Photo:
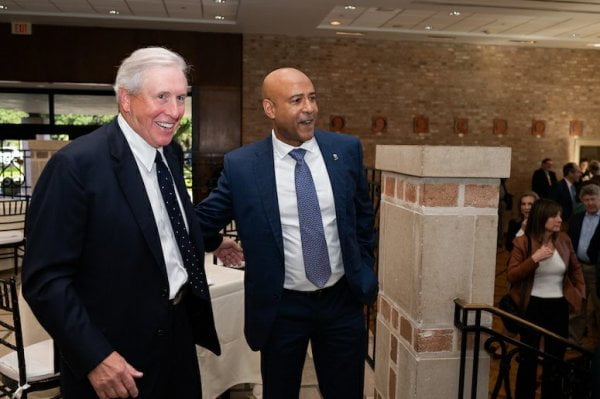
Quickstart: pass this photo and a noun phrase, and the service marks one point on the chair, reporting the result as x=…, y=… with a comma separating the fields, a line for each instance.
x=26, y=368
x=13, y=211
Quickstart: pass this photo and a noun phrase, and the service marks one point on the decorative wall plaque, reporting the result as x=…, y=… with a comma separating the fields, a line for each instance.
x=461, y=126
x=500, y=127
x=538, y=127
x=420, y=124
x=378, y=125
x=576, y=128
x=337, y=123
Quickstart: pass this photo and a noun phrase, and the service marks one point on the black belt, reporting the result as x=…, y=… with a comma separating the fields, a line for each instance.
x=316, y=293
x=179, y=296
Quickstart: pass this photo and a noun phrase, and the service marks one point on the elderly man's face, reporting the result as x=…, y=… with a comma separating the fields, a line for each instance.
x=156, y=110
x=547, y=165
x=591, y=203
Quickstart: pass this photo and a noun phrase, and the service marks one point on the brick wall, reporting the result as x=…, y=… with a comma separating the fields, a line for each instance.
x=363, y=78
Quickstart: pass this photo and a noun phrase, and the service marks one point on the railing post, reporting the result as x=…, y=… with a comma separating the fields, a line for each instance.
x=438, y=230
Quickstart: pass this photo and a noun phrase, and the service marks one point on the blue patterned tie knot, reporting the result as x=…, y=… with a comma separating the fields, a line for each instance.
x=314, y=245
x=188, y=251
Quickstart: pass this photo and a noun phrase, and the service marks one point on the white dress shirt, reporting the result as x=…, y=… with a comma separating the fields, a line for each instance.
x=145, y=156
x=295, y=276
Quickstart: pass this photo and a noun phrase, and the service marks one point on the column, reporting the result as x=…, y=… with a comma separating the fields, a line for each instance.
x=438, y=227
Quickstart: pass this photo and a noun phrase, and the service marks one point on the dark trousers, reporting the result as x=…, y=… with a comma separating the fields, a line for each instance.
x=171, y=366
x=551, y=314
x=334, y=324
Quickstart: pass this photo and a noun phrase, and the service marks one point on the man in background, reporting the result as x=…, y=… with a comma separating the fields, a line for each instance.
x=565, y=191
x=543, y=179
x=301, y=205
x=114, y=265
x=584, y=231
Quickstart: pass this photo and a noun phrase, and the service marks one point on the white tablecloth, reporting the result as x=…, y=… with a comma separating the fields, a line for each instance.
x=237, y=363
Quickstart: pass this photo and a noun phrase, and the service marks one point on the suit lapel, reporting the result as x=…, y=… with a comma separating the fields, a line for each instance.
x=334, y=162
x=264, y=174
x=134, y=191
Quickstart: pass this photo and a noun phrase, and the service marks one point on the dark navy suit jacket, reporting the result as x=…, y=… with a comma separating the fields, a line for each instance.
x=94, y=273
x=246, y=192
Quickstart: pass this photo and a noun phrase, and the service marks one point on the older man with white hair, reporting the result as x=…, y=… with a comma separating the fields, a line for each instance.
x=114, y=265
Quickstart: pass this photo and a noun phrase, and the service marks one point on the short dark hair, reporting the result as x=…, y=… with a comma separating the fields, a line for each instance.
x=542, y=210
x=568, y=168
x=546, y=160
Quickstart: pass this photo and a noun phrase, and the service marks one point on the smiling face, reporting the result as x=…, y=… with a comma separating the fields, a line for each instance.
x=156, y=110
x=290, y=102
x=526, y=204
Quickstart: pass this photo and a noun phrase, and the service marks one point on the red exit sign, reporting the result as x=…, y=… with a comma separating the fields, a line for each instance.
x=21, y=28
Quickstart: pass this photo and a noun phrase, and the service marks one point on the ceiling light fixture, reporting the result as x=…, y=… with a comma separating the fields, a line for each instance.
x=574, y=35
x=455, y=13
x=220, y=1
x=3, y=7
x=428, y=27
x=349, y=7
x=219, y=17
x=593, y=44
x=349, y=33
x=114, y=12
x=335, y=23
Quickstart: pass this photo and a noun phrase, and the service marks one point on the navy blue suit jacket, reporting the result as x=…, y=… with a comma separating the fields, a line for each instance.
x=561, y=194
x=94, y=273
x=246, y=192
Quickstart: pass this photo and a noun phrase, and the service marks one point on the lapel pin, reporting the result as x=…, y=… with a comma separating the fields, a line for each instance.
x=335, y=157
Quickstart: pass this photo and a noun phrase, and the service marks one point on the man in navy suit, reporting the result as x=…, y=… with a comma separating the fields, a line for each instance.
x=285, y=308
x=543, y=179
x=565, y=191
x=103, y=270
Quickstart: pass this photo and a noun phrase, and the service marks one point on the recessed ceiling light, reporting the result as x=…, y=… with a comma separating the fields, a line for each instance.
x=349, y=33
x=428, y=27
x=455, y=13
x=574, y=35
x=349, y=7
x=114, y=12
x=335, y=23
x=3, y=7
x=594, y=45
x=220, y=1
x=219, y=17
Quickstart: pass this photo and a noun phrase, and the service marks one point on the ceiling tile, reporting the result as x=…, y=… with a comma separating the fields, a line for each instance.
x=375, y=17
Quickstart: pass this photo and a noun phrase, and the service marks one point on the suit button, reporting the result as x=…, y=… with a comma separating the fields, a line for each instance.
x=165, y=293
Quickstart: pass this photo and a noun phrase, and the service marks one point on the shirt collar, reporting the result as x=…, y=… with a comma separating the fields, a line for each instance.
x=143, y=151
x=592, y=214
x=282, y=149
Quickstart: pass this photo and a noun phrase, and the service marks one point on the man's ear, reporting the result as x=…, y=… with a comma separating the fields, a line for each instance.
x=124, y=100
x=269, y=108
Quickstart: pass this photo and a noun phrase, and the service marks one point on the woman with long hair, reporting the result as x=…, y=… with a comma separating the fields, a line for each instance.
x=516, y=227
x=543, y=265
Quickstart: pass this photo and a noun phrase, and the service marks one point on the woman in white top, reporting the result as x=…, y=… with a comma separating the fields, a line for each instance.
x=544, y=267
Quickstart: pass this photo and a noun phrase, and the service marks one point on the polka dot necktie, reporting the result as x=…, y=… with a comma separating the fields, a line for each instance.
x=196, y=278
x=314, y=246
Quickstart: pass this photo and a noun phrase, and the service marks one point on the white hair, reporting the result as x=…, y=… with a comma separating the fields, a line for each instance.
x=132, y=68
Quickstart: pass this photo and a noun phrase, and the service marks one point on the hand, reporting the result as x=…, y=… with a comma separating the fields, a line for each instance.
x=524, y=224
x=230, y=253
x=544, y=252
x=114, y=378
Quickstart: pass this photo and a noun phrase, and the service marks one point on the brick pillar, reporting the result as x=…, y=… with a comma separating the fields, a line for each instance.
x=437, y=242
x=38, y=153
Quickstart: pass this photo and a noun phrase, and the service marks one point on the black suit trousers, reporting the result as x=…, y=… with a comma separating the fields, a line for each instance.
x=171, y=370
x=334, y=324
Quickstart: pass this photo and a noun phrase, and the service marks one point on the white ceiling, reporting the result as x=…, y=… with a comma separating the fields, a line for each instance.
x=542, y=23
